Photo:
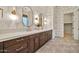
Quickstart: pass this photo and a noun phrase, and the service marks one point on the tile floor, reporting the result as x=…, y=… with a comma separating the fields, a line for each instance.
x=60, y=45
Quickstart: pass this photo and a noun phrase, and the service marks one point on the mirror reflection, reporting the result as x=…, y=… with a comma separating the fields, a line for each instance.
x=27, y=16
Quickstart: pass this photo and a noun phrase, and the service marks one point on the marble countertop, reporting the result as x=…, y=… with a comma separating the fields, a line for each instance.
x=9, y=36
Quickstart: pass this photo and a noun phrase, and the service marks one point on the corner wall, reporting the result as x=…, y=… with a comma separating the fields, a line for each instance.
x=59, y=20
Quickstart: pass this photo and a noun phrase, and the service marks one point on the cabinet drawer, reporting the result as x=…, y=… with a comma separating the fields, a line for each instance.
x=50, y=34
x=15, y=48
x=42, y=39
x=1, y=47
x=42, y=42
x=12, y=42
x=36, y=43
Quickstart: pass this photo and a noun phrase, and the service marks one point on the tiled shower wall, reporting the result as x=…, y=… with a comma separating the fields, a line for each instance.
x=58, y=22
x=9, y=26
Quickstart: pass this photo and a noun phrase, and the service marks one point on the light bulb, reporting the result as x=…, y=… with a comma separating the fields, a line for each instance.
x=45, y=23
x=45, y=19
x=13, y=17
x=36, y=22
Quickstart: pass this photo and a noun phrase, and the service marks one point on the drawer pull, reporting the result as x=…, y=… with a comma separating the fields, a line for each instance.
x=19, y=48
x=5, y=50
x=19, y=40
x=1, y=50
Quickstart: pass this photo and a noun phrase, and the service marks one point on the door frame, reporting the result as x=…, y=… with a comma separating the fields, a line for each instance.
x=72, y=23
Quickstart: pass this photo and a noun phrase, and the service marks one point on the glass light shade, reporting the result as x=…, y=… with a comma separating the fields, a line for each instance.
x=13, y=17
x=45, y=21
x=36, y=22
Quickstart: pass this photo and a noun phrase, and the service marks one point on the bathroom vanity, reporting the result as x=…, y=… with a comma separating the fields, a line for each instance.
x=24, y=42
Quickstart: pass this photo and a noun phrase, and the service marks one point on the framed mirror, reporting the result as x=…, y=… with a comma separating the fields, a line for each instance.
x=27, y=16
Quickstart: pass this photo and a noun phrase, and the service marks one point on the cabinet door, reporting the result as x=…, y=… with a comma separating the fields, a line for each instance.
x=25, y=50
x=36, y=42
x=1, y=47
x=50, y=34
x=42, y=38
x=46, y=36
x=31, y=43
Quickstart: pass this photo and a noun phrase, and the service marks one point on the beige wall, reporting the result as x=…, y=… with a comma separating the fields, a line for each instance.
x=7, y=25
x=47, y=11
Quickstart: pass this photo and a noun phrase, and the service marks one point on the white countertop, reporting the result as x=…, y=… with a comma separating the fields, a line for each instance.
x=9, y=36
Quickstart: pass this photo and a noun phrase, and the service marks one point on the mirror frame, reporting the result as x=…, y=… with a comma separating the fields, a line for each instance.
x=32, y=15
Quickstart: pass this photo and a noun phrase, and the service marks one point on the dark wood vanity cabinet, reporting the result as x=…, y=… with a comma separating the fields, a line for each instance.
x=1, y=47
x=45, y=36
x=48, y=35
x=26, y=44
x=31, y=44
x=15, y=45
x=37, y=41
x=42, y=38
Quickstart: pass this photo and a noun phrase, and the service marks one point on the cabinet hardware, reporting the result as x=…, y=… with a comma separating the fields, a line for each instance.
x=19, y=48
x=5, y=50
x=1, y=50
x=19, y=40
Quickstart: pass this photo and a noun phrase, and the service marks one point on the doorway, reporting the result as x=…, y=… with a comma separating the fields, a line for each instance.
x=68, y=25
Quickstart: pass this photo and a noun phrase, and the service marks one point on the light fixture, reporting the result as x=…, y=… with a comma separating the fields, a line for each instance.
x=36, y=21
x=1, y=12
x=13, y=11
x=45, y=21
x=13, y=15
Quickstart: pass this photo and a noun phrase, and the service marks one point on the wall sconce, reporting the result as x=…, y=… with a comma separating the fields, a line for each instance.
x=36, y=21
x=1, y=13
x=14, y=11
x=13, y=15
